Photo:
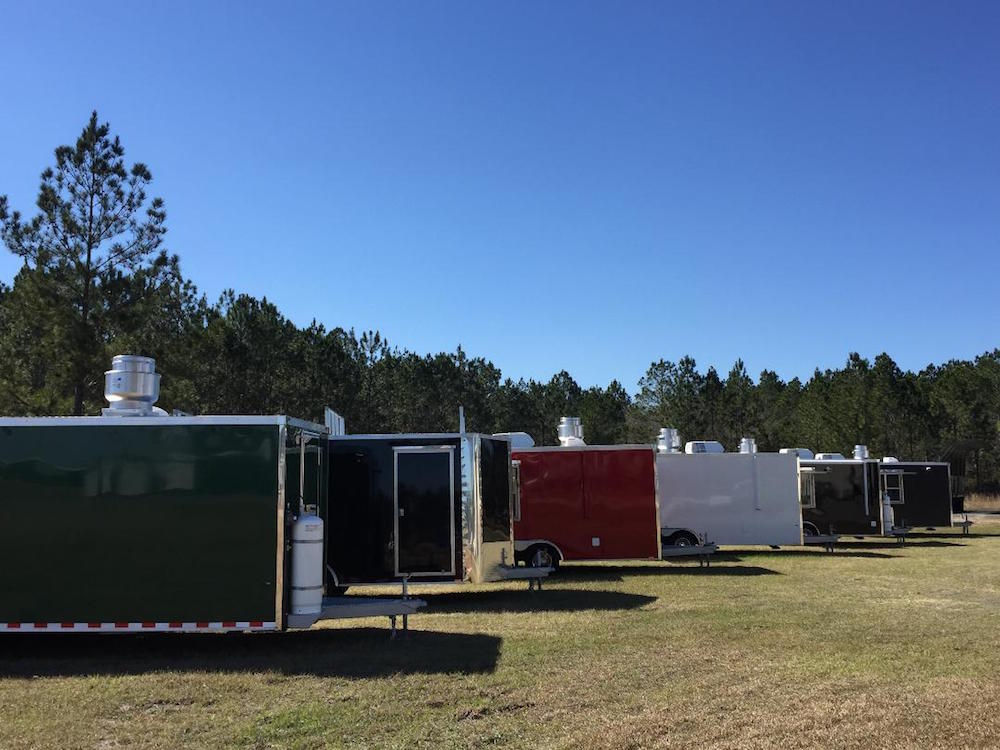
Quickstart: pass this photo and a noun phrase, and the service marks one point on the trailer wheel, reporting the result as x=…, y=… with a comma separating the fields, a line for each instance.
x=543, y=556
x=809, y=529
x=336, y=590
x=682, y=539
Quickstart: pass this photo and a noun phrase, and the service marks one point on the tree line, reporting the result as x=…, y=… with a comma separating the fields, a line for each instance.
x=96, y=280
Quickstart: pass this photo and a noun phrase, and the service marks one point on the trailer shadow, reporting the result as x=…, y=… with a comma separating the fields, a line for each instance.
x=547, y=600
x=738, y=556
x=613, y=573
x=950, y=535
x=891, y=544
x=354, y=653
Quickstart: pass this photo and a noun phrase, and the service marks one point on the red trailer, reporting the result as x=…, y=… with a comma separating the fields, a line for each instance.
x=586, y=503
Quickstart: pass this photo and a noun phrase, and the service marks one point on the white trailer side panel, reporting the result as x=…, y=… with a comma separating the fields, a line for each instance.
x=732, y=498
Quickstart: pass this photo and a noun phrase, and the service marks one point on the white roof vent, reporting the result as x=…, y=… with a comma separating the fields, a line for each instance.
x=517, y=439
x=570, y=431
x=668, y=441
x=704, y=446
x=804, y=453
x=132, y=386
x=890, y=460
x=829, y=456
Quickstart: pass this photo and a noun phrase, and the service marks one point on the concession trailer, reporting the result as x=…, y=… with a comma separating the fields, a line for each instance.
x=840, y=495
x=710, y=496
x=421, y=507
x=139, y=521
x=919, y=492
x=584, y=502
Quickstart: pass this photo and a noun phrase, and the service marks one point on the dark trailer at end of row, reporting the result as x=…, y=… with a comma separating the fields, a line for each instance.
x=420, y=507
x=919, y=493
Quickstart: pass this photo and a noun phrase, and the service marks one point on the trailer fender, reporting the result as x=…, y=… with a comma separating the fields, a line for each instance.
x=524, y=550
x=679, y=538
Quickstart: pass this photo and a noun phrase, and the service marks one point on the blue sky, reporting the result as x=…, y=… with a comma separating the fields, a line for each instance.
x=588, y=186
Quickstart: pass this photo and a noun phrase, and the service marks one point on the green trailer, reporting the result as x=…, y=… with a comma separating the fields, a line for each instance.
x=157, y=523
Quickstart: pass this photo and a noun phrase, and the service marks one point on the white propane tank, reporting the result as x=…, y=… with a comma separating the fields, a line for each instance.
x=888, y=521
x=307, y=565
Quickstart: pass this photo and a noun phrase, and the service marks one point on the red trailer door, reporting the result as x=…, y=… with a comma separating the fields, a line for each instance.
x=620, y=503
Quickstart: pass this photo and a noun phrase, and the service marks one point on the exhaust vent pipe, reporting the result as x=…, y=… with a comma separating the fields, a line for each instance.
x=748, y=445
x=132, y=386
x=570, y=431
x=669, y=441
x=861, y=451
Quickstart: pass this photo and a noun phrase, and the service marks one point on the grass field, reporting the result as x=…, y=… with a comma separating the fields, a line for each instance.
x=872, y=646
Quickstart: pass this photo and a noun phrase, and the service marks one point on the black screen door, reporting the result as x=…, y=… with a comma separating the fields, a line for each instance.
x=425, y=510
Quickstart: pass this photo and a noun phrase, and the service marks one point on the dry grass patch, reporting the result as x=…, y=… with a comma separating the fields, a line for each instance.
x=875, y=645
x=980, y=502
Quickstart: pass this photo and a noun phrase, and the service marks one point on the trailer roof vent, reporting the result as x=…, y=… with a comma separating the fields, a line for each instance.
x=890, y=460
x=668, y=441
x=517, y=439
x=570, y=431
x=800, y=452
x=829, y=456
x=860, y=452
x=748, y=445
x=704, y=446
x=132, y=386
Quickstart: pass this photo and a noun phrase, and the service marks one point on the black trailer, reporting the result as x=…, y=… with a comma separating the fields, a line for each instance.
x=840, y=496
x=420, y=507
x=919, y=493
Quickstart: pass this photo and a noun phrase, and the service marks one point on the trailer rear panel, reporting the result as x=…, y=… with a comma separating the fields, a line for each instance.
x=107, y=521
x=591, y=502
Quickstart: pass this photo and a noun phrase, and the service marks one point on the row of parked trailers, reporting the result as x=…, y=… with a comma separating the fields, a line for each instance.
x=581, y=502
x=139, y=521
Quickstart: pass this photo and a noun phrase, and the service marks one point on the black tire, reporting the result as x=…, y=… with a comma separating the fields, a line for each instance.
x=336, y=590
x=543, y=556
x=809, y=529
x=682, y=539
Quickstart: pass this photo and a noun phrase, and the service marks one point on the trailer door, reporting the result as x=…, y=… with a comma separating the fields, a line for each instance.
x=424, y=502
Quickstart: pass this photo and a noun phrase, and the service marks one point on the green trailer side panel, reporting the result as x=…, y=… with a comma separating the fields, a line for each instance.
x=138, y=523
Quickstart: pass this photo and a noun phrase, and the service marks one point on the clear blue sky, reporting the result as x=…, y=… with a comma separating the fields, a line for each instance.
x=588, y=186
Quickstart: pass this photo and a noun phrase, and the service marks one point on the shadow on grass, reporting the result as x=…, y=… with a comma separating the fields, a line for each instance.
x=601, y=573
x=892, y=544
x=817, y=553
x=956, y=535
x=547, y=600
x=351, y=653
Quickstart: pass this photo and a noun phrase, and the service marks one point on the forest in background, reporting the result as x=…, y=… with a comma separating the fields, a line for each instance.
x=97, y=280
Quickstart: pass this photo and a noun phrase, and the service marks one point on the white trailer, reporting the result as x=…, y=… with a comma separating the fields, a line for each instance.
x=729, y=498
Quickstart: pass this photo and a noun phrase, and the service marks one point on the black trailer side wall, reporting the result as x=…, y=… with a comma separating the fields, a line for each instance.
x=847, y=499
x=360, y=513
x=926, y=494
x=138, y=523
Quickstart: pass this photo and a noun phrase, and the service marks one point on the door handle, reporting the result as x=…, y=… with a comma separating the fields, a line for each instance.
x=401, y=513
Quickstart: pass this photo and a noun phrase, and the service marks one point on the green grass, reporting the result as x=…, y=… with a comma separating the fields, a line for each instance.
x=872, y=646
